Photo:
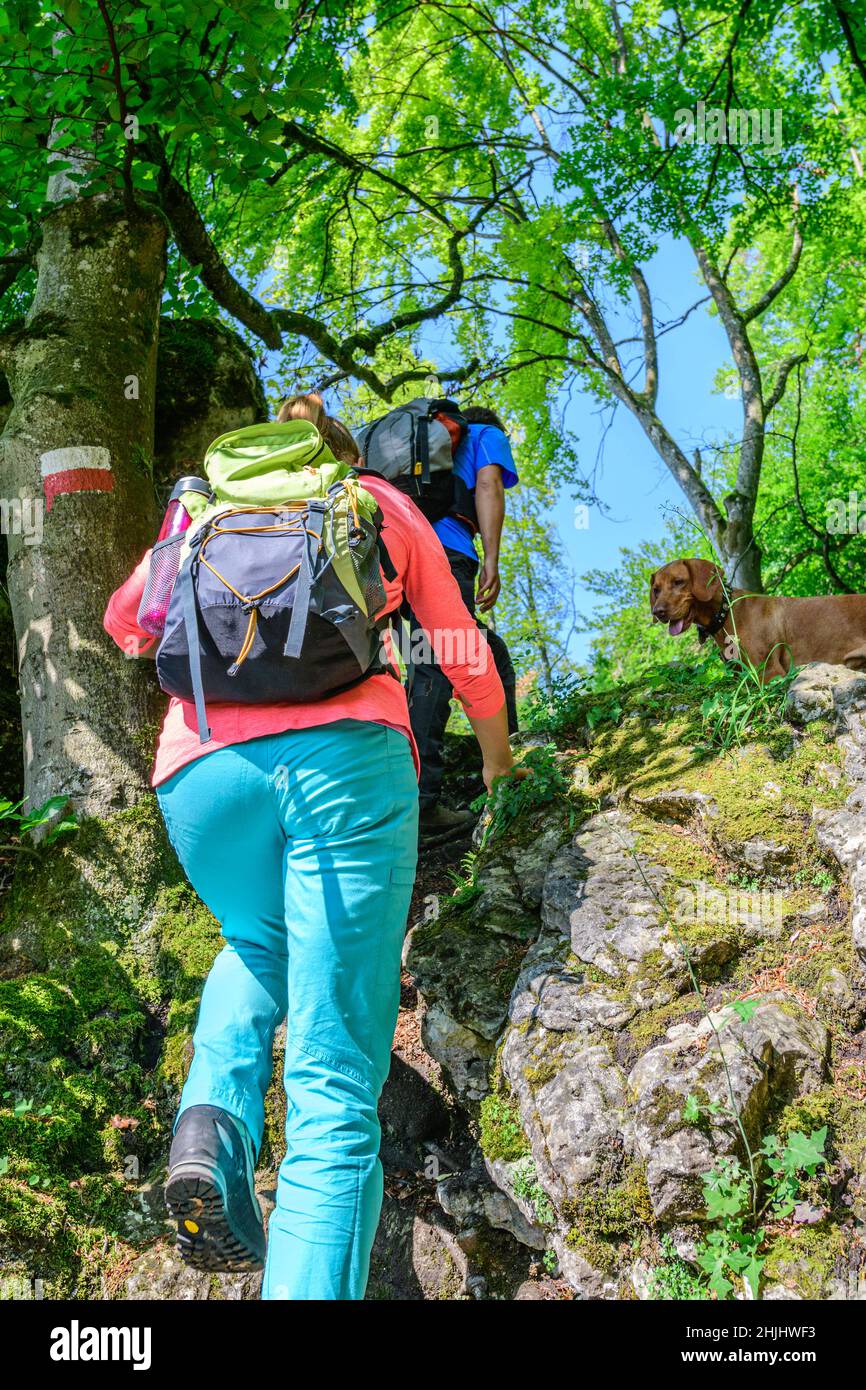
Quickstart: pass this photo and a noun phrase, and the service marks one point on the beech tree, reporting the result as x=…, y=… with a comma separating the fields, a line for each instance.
x=134, y=138
x=372, y=196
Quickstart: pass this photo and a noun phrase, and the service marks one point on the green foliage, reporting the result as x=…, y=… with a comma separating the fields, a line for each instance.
x=558, y=708
x=732, y=1250
x=787, y=1162
x=28, y=821
x=465, y=880
x=696, y=1111
x=526, y=1185
x=513, y=797
x=502, y=1133
x=672, y=1279
x=95, y=1024
x=745, y=708
x=537, y=607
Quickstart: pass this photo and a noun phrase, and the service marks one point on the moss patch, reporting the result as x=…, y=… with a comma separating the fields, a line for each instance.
x=609, y=1217
x=502, y=1134
x=104, y=948
x=805, y=1259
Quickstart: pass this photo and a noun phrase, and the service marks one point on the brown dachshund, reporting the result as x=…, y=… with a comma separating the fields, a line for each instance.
x=774, y=634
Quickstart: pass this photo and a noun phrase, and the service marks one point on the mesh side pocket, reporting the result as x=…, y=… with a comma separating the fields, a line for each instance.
x=164, y=566
x=374, y=590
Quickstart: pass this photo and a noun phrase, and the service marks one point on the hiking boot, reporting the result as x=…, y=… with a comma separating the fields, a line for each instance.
x=438, y=823
x=211, y=1192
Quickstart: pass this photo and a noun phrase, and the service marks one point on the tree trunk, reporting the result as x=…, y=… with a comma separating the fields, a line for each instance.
x=82, y=373
x=740, y=551
x=206, y=384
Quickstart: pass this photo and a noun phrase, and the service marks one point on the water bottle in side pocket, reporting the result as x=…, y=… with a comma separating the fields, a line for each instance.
x=165, y=556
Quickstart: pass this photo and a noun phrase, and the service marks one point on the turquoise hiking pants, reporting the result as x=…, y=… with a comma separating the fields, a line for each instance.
x=303, y=845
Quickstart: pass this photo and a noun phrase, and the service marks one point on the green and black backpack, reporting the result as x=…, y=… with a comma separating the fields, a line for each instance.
x=279, y=582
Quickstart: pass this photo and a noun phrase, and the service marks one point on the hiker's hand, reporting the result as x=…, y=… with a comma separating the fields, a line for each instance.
x=490, y=772
x=488, y=585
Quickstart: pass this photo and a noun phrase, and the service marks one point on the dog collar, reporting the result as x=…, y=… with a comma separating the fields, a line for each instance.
x=715, y=624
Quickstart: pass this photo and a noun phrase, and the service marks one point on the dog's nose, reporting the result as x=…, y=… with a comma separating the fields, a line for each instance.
x=661, y=614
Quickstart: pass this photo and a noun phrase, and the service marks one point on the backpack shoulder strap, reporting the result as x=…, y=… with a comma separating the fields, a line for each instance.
x=190, y=622
x=388, y=567
x=316, y=507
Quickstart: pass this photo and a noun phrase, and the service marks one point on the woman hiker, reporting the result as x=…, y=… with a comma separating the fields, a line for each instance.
x=297, y=825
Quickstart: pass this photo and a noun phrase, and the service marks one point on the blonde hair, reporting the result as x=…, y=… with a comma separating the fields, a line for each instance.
x=335, y=434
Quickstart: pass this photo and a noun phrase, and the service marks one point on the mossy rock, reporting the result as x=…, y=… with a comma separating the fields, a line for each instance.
x=104, y=948
x=807, y=1259
x=206, y=384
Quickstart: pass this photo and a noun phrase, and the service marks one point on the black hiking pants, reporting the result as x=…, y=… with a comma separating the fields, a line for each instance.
x=429, y=689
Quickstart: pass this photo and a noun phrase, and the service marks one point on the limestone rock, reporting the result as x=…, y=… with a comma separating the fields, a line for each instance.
x=778, y=1052
x=677, y=805
x=572, y=1101
x=469, y=963
x=836, y=992
x=415, y=1257
x=605, y=900
x=843, y=832
x=819, y=690
x=471, y=1199
x=160, y=1273
x=560, y=999
x=760, y=855
x=587, y=1280
x=463, y=1053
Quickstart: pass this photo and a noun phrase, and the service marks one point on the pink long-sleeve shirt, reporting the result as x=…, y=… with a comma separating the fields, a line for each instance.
x=423, y=575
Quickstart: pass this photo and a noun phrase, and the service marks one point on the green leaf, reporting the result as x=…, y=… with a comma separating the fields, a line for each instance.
x=805, y=1153
x=692, y=1110
x=51, y=807
x=752, y=1275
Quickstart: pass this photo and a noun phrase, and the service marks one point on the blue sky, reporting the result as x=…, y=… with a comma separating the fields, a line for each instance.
x=633, y=483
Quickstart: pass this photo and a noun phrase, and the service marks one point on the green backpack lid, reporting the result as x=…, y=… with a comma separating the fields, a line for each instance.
x=265, y=464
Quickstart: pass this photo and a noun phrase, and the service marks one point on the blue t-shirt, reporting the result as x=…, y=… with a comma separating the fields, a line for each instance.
x=481, y=445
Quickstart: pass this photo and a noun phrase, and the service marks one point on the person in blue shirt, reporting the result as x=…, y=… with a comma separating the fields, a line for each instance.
x=485, y=467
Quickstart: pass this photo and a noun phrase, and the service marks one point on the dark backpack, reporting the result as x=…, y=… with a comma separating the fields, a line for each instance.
x=413, y=446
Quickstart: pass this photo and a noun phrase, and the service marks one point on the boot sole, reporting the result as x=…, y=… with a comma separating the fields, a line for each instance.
x=195, y=1200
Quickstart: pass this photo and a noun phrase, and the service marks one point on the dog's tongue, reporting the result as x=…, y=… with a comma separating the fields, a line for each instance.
x=674, y=629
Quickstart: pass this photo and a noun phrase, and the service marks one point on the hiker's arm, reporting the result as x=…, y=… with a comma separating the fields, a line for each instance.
x=121, y=615
x=490, y=510
x=492, y=735
x=458, y=643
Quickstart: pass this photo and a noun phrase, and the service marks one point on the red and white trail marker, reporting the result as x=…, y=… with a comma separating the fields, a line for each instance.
x=81, y=468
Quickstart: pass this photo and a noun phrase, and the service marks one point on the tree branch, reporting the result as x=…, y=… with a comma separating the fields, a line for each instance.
x=778, y=285
x=196, y=245
x=785, y=369
x=847, y=30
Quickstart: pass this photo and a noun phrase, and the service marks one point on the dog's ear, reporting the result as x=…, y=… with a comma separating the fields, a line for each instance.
x=705, y=580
